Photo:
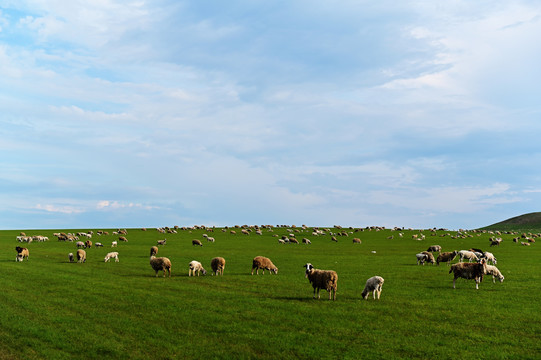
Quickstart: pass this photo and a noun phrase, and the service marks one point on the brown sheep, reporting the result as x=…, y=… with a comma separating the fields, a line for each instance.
x=469, y=271
x=123, y=238
x=356, y=240
x=322, y=279
x=261, y=262
x=197, y=242
x=446, y=257
x=218, y=265
x=81, y=256
x=434, y=248
x=153, y=251
x=88, y=244
x=22, y=253
x=160, y=263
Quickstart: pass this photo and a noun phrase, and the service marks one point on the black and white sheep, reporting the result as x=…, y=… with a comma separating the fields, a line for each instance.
x=261, y=262
x=196, y=267
x=217, y=265
x=322, y=279
x=374, y=285
x=159, y=264
x=469, y=271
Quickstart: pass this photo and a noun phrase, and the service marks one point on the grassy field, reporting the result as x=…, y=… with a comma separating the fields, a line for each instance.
x=53, y=309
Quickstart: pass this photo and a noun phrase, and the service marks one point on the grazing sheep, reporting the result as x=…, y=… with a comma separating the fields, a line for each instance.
x=495, y=241
x=160, y=263
x=374, y=284
x=490, y=257
x=81, y=256
x=524, y=243
x=153, y=251
x=196, y=242
x=88, y=244
x=356, y=240
x=161, y=242
x=114, y=244
x=446, y=257
x=306, y=241
x=293, y=240
x=465, y=254
x=261, y=262
x=218, y=265
x=196, y=267
x=434, y=248
x=123, y=238
x=22, y=253
x=111, y=255
x=493, y=270
x=70, y=257
x=210, y=239
x=281, y=241
x=80, y=244
x=430, y=257
x=333, y=238
x=322, y=279
x=469, y=271
x=421, y=258
x=98, y=244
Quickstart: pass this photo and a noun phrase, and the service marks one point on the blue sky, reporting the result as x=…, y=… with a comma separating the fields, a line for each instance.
x=358, y=113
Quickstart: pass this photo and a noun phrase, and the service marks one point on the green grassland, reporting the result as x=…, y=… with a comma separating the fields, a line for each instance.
x=53, y=309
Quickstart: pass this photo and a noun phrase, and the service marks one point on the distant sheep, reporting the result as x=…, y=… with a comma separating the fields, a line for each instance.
x=80, y=244
x=98, y=244
x=210, y=239
x=434, y=248
x=446, y=257
x=70, y=257
x=111, y=255
x=153, y=251
x=493, y=270
x=293, y=240
x=196, y=267
x=162, y=242
x=261, y=262
x=430, y=257
x=22, y=253
x=356, y=240
x=123, y=238
x=469, y=271
x=322, y=279
x=81, y=256
x=114, y=244
x=196, y=242
x=374, y=285
x=159, y=264
x=306, y=241
x=421, y=258
x=465, y=254
x=217, y=265
x=524, y=243
x=495, y=241
x=88, y=244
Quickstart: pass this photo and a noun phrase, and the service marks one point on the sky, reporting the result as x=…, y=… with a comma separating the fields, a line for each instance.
x=155, y=113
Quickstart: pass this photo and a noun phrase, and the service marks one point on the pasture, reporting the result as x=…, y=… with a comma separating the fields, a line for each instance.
x=54, y=309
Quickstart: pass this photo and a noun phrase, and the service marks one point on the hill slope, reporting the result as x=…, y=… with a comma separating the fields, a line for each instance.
x=531, y=221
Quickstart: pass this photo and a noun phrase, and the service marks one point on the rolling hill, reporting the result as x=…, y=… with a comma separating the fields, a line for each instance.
x=531, y=221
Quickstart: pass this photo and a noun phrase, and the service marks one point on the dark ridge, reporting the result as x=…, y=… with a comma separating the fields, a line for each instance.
x=531, y=221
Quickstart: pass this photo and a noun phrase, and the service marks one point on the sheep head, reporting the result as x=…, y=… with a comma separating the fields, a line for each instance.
x=309, y=268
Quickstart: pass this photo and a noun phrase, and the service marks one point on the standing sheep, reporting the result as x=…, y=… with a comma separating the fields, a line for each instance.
x=465, y=254
x=374, y=284
x=446, y=257
x=421, y=258
x=22, y=253
x=429, y=257
x=161, y=242
x=322, y=279
x=217, y=265
x=111, y=255
x=196, y=242
x=114, y=244
x=196, y=267
x=153, y=251
x=469, y=271
x=261, y=262
x=434, y=248
x=160, y=263
x=81, y=256
x=356, y=240
x=495, y=272
x=70, y=257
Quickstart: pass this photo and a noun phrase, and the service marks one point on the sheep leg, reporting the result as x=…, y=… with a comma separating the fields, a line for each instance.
x=454, y=283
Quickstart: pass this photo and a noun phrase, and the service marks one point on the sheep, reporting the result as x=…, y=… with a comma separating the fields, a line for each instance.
x=524, y=243
x=322, y=279
x=80, y=244
x=162, y=242
x=493, y=270
x=374, y=284
x=465, y=254
x=281, y=241
x=70, y=257
x=261, y=262
x=218, y=265
x=446, y=257
x=306, y=241
x=210, y=239
x=88, y=244
x=490, y=257
x=430, y=257
x=22, y=253
x=123, y=238
x=293, y=240
x=196, y=242
x=421, y=258
x=160, y=263
x=196, y=267
x=469, y=271
x=111, y=255
x=98, y=244
x=434, y=248
x=495, y=241
x=114, y=244
x=81, y=256
x=356, y=240
x=153, y=251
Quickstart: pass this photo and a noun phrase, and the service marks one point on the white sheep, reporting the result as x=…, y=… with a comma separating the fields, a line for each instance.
x=493, y=270
x=114, y=244
x=218, y=265
x=465, y=254
x=160, y=263
x=196, y=267
x=111, y=255
x=322, y=279
x=70, y=257
x=490, y=257
x=421, y=258
x=374, y=284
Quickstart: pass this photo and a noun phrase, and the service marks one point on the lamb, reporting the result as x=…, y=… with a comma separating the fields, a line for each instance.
x=469, y=271
x=162, y=242
x=196, y=242
x=160, y=263
x=322, y=279
x=196, y=267
x=261, y=262
x=111, y=255
x=446, y=257
x=153, y=251
x=114, y=244
x=218, y=265
x=22, y=253
x=465, y=254
x=374, y=284
x=70, y=257
x=434, y=248
x=493, y=270
x=81, y=256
